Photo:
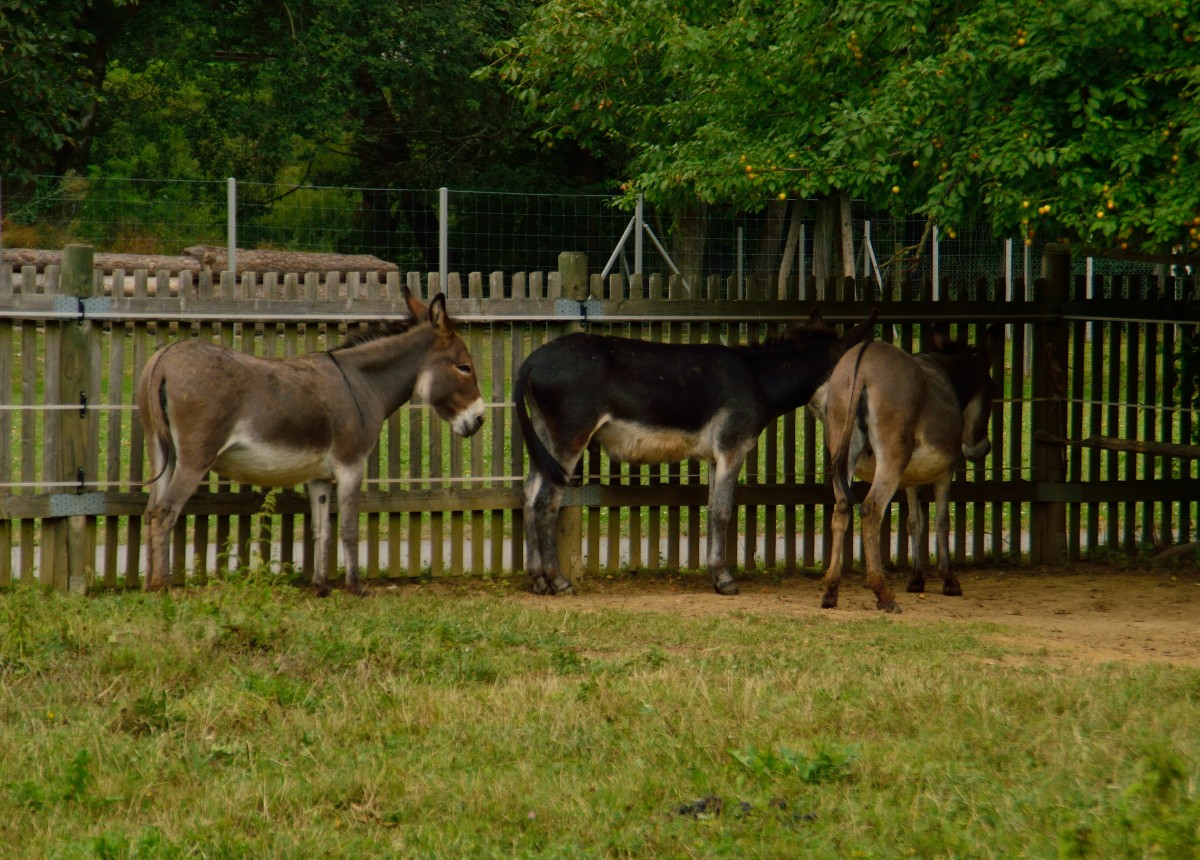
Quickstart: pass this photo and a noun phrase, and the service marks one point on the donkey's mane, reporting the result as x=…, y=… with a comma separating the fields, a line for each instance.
x=795, y=336
x=376, y=331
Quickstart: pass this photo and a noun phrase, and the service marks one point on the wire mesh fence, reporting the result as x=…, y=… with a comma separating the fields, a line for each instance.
x=492, y=231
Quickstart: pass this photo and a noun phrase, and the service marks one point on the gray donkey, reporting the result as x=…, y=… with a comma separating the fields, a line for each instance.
x=279, y=422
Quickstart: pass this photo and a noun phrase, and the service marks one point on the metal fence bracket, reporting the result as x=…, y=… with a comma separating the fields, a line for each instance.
x=584, y=310
x=77, y=505
x=82, y=308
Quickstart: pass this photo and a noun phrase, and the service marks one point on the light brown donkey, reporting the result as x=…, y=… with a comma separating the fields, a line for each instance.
x=900, y=420
x=279, y=422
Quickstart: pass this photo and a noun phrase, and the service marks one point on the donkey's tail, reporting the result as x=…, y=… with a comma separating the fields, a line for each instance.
x=156, y=426
x=839, y=456
x=543, y=461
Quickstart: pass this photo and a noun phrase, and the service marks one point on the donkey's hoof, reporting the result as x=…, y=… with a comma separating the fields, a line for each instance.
x=322, y=590
x=951, y=588
x=829, y=600
x=888, y=605
x=562, y=585
x=916, y=584
x=538, y=584
x=727, y=585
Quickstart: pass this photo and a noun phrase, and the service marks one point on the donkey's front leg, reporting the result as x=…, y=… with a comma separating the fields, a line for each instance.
x=319, y=492
x=917, y=515
x=883, y=487
x=720, y=512
x=941, y=506
x=349, y=483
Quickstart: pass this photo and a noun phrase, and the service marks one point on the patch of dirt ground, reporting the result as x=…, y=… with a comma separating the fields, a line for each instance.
x=1080, y=613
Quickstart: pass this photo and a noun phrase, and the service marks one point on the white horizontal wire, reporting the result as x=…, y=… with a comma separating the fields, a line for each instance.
x=443, y=482
x=114, y=407
x=507, y=404
x=434, y=482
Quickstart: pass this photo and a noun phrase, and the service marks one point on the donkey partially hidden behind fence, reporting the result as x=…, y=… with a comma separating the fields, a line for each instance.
x=899, y=420
x=279, y=422
x=647, y=402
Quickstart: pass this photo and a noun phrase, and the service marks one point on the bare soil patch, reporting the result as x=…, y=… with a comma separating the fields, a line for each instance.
x=1083, y=613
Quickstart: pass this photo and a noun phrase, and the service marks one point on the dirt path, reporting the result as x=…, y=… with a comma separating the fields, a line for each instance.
x=1083, y=614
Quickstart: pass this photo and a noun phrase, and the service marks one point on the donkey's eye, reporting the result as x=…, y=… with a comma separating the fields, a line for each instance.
x=464, y=368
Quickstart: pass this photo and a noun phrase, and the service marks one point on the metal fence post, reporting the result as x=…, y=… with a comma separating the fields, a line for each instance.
x=443, y=235
x=937, y=275
x=639, y=217
x=231, y=223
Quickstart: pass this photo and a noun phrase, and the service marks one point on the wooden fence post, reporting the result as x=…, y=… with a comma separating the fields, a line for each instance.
x=66, y=537
x=1048, y=515
x=573, y=282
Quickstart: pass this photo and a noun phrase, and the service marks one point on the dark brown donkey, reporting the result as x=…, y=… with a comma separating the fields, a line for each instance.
x=647, y=402
x=900, y=420
x=279, y=422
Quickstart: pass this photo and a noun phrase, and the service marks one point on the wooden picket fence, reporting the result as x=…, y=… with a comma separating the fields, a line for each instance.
x=72, y=343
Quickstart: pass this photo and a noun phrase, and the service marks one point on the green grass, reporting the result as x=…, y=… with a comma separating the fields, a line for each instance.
x=248, y=720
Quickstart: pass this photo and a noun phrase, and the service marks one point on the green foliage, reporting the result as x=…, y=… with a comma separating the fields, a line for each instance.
x=312, y=96
x=1156, y=815
x=1160, y=810
x=826, y=765
x=47, y=85
x=73, y=785
x=1074, y=119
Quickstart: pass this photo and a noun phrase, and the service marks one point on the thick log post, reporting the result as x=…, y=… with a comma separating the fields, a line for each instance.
x=574, y=284
x=67, y=538
x=1048, y=519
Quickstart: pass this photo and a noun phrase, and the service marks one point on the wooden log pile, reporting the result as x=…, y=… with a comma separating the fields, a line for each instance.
x=200, y=258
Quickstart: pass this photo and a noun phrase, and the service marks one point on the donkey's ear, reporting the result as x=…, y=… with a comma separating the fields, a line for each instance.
x=438, y=317
x=416, y=307
x=993, y=341
x=939, y=336
x=814, y=318
x=864, y=330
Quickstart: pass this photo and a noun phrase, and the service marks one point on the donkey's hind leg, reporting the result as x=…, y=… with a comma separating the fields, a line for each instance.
x=543, y=499
x=843, y=515
x=843, y=519
x=883, y=487
x=168, y=495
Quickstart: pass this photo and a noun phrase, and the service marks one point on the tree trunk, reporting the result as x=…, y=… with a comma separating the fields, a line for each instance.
x=765, y=263
x=824, y=248
x=791, y=248
x=691, y=237
x=846, y=226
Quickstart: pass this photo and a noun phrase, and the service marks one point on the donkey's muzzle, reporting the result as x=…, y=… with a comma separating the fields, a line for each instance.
x=977, y=452
x=468, y=422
